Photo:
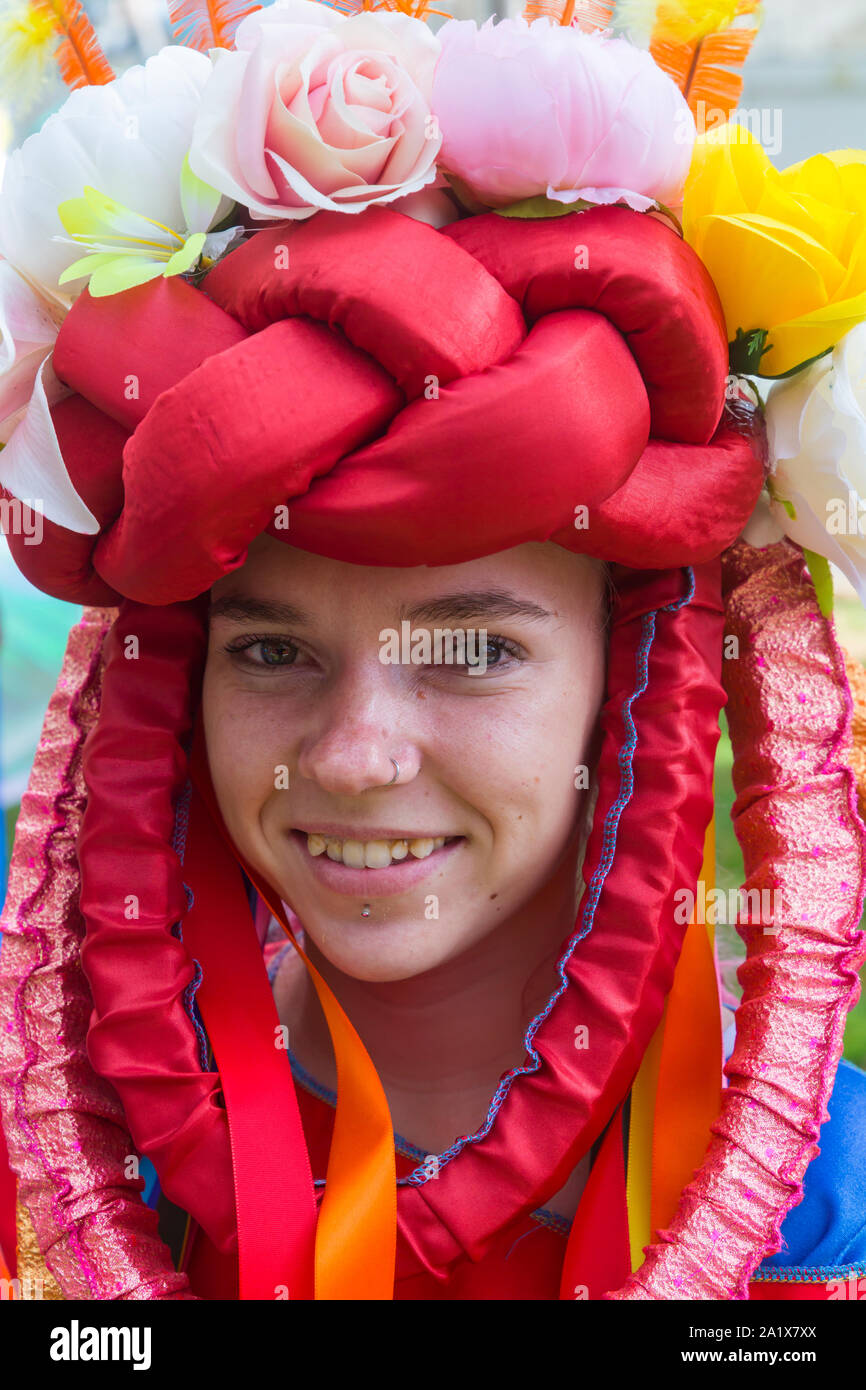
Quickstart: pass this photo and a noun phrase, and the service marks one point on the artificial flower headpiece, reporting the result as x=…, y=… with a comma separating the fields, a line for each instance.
x=259, y=116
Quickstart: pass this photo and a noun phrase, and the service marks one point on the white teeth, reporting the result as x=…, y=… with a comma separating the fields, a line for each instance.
x=421, y=848
x=377, y=854
x=372, y=854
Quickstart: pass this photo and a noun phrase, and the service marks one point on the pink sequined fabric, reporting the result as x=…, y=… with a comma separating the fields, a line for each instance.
x=789, y=713
x=65, y=1128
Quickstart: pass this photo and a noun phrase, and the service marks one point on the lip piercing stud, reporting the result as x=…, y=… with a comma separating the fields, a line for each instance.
x=365, y=910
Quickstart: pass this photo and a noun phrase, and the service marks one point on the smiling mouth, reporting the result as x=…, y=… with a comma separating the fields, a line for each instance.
x=374, y=854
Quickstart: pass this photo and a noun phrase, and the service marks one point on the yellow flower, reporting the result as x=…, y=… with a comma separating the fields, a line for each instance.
x=678, y=21
x=28, y=37
x=786, y=249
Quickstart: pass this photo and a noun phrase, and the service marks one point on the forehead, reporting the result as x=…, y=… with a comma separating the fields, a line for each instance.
x=543, y=572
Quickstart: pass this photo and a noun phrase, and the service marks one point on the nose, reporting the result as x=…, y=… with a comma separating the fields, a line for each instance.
x=359, y=729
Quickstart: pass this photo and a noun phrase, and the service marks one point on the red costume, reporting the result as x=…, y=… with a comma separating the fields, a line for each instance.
x=302, y=386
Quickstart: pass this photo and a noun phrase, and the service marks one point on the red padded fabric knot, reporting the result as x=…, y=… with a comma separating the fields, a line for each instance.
x=412, y=395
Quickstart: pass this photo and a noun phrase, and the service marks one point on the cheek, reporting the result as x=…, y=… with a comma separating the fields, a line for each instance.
x=246, y=746
x=519, y=768
x=543, y=759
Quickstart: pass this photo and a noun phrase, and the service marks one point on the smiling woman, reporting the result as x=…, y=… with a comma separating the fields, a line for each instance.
x=412, y=603
x=487, y=760
x=466, y=860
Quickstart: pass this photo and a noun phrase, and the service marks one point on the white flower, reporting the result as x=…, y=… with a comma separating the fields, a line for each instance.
x=28, y=329
x=127, y=140
x=31, y=465
x=816, y=425
x=125, y=248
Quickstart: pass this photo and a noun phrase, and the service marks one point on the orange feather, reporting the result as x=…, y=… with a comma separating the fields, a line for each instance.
x=709, y=69
x=586, y=15
x=205, y=24
x=79, y=56
x=416, y=9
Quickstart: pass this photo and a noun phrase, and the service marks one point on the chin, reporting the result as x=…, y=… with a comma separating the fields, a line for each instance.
x=382, y=950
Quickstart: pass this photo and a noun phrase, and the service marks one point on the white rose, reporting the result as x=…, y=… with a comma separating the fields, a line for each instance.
x=816, y=425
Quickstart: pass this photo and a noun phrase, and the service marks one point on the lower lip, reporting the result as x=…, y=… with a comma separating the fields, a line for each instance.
x=373, y=883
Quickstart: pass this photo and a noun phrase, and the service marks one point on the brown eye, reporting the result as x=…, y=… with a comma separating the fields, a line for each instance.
x=496, y=654
x=496, y=649
x=277, y=653
x=499, y=654
x=274, y=653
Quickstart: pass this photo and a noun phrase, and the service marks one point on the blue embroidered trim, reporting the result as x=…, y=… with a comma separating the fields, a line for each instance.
x=178, y=844
x=324, y=1093
x=422, y=1173
x=818, y=1274
x=189, y=1003
x=560, y=1224
x=277, y=959
x=181, y=821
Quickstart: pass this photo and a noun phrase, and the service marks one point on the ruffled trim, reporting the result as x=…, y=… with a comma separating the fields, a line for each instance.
x=65, y=1129
x=797, y=821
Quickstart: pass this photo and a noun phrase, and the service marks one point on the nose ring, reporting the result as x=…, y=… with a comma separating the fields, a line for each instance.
x=396, y=773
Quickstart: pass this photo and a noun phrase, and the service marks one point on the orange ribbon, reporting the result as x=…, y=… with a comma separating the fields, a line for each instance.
x=689, y=1094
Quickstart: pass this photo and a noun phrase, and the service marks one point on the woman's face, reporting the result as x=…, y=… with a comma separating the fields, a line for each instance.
x=306, y=702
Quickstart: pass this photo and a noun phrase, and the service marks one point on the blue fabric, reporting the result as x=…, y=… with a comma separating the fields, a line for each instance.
x=150, y=1194
x=827, y=1230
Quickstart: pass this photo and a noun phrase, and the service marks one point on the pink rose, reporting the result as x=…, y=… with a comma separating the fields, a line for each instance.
x=528, y=110
x=315, y=109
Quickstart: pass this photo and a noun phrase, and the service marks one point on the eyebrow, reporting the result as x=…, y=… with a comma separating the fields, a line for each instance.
x=241, y=608
x=497, y=604
x=475, y=603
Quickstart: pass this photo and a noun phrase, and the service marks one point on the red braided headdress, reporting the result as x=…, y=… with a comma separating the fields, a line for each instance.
x=367, y=371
